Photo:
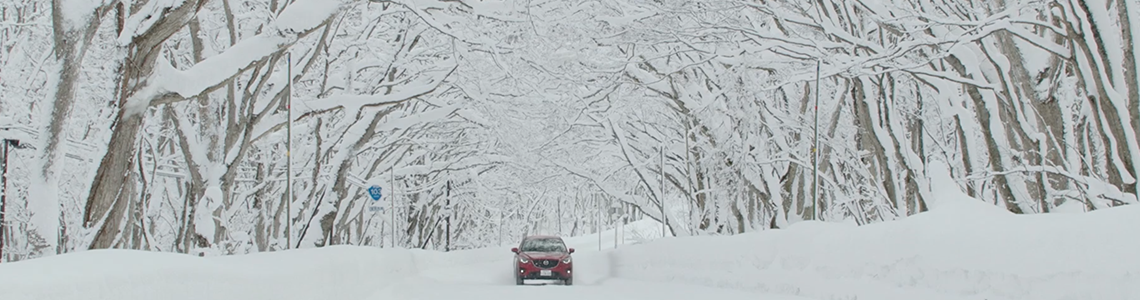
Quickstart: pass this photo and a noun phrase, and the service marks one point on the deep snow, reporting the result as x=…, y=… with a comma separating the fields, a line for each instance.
x=964, y=250
x=960, y=250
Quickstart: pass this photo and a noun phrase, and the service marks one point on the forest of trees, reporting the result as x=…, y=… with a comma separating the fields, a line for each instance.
x=165, y=125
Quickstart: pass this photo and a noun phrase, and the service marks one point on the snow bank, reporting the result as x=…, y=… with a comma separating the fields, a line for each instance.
x=339, y=272
x=960, y=250
x=328, y=273
x=489, y=266
x=635, y=232
x=594, y=267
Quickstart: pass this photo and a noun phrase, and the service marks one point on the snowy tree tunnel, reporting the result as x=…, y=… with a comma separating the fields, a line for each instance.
x=173, y=125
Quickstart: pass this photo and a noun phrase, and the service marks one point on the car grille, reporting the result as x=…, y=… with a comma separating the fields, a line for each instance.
x=545, y=263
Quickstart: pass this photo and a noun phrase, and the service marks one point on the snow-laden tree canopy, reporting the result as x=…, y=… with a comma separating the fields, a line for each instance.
x=235, y=126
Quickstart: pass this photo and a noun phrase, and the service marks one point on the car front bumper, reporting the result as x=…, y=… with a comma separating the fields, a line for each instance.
x=559, y=272
x=539, y=275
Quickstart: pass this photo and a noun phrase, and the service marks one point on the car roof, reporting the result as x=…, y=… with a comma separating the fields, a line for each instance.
x=543, y=237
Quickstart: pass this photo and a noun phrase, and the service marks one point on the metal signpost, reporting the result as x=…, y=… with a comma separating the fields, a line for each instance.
x=375, y=192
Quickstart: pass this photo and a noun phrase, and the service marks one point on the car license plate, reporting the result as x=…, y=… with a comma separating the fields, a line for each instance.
x=544, y=272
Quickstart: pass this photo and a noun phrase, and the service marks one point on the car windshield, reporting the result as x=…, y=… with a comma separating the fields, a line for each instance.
x=543, y=245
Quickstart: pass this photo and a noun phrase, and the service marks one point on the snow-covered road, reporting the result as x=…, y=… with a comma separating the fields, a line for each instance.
x=340, y=272
x=485, y=274
x=616, y=289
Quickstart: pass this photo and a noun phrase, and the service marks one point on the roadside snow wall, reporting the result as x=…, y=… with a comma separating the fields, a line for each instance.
x=341, y=272
x=961, y=250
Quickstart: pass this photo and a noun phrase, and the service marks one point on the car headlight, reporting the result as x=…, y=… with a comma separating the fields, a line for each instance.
x=523, y=260
x=566, y=260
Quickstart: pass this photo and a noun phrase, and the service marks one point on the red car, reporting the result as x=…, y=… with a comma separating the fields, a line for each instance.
x=543, y=257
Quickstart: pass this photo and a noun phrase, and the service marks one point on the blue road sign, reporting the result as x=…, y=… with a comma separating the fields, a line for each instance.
x=374, y=191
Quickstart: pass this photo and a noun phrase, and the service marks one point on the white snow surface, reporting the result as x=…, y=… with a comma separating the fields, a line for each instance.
x=961, y=250
x=307, y=14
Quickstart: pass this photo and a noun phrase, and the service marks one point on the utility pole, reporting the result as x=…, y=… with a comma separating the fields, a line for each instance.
x=289, y=152
x=815, y=149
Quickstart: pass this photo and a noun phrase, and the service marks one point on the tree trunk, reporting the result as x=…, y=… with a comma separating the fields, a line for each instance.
x=867, y=140
x=911, y=195
x=1124, y=13
x=260, y=204
x=1113, y=128
x=113, y=187
x=916, y=202
x=71, y=46
x=964, y=150
x=345, y=166
x=1023, y=149
x=995, y=153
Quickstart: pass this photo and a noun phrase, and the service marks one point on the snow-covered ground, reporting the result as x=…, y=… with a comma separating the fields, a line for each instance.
x=960, y=250
x=341, y=272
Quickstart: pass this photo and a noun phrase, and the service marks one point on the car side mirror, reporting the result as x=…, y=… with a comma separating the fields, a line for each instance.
x=571, y=250
x=515, y=250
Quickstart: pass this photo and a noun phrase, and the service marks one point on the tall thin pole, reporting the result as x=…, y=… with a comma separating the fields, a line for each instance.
x=289, y=153
x=815, y=150
x=3, y=196
x=558, y=211
x=661, y=196
x=617, y=223
x=500, y=227
x=447, y=244
x=689, y=179
x=624, y=220
x=599, y=221
x=392, y=175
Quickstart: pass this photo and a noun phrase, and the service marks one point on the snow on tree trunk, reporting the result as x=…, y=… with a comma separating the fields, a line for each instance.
x=1101, y=70
x=150, y=80
x=74, y=26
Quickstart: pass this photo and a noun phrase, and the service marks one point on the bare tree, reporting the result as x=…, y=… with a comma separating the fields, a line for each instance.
x=113, y=188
